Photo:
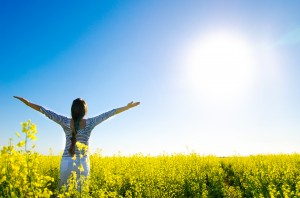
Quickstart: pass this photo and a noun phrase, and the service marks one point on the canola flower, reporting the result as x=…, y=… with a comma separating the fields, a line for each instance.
x=25, y=173
x=19, y=168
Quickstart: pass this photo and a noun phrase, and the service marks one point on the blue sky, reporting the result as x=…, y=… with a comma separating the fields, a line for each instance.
x=112, y=52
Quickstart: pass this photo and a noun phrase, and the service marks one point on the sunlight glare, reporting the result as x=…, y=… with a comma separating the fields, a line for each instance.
x=219, y=67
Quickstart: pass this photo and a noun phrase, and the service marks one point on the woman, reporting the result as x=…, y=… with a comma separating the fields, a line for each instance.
x=77, y=129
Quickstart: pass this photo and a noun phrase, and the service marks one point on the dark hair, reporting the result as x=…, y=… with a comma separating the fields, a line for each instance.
x=78, y=111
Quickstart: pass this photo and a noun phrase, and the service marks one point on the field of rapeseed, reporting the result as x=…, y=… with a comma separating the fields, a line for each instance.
x=25, y=173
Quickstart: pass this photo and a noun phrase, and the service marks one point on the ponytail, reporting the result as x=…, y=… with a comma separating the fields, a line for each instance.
x=78, y=110
x=73, y=138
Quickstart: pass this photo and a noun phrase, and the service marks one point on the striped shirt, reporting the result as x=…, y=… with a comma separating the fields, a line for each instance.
x=82, y=135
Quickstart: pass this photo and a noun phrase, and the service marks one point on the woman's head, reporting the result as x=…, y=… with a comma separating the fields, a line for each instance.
x=78, y=111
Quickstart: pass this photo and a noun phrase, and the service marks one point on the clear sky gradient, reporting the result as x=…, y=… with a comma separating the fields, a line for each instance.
x=244, y=100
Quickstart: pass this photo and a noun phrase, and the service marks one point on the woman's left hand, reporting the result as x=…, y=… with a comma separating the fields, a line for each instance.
x=22, y=99
x=132, y=104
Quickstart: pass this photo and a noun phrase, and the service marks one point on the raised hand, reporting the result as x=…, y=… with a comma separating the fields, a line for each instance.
x=132, y=104
x=22, y=99
x=128, y=106
x=34, y=106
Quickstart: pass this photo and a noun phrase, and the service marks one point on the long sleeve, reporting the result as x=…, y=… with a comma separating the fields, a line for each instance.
x=59, y=119
x=102, y=117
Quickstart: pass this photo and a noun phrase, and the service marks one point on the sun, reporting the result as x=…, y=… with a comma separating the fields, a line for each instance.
x=219, y=66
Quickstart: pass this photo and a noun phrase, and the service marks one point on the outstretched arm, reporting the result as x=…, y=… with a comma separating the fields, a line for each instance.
x=104, y=116
x=34, y=106
x=128, y=106
x=59, y=119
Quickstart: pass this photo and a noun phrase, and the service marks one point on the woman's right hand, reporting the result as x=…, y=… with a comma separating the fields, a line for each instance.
x=128, y=106
x=132, y=104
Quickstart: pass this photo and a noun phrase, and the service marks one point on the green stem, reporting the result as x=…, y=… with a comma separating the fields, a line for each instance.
x=26, y=143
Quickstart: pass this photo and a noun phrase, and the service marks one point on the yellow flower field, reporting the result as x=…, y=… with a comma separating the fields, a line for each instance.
x=24, y=173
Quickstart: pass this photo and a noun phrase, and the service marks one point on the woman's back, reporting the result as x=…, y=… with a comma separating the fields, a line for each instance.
x=85, y=129
x=82, y=124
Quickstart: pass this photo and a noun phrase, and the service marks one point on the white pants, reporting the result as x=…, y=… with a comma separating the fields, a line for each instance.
x=67, y=166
